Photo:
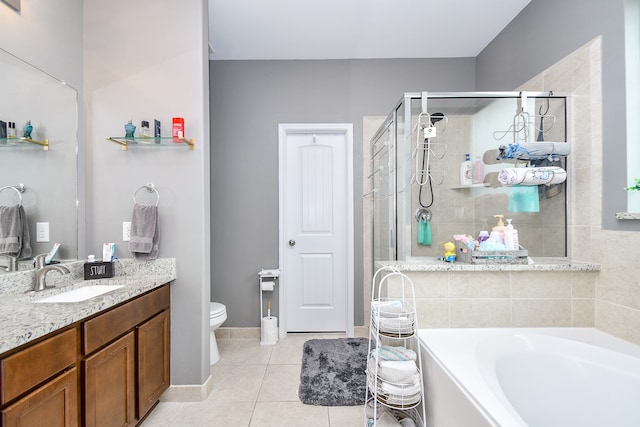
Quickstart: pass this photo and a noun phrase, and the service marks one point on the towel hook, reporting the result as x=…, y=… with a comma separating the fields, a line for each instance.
x=150, y=188
x=20, y=188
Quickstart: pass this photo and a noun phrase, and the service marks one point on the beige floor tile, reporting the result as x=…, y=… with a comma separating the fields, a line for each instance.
x=236, y=383
x=163, y=414
x=280, y=414
x=288, y=351
x=346, y=416
x=214, y=414
x=243, y=352
x=280, y=384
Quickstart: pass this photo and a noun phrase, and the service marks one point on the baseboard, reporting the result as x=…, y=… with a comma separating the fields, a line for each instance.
x=254, y=333
x=237, y=333
x=188, y=393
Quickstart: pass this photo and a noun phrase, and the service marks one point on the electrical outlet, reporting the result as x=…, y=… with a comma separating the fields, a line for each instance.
x=42, y=231
x=126, y=231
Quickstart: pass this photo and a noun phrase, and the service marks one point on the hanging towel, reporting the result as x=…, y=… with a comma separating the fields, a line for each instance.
x=532, y=176
x=14, y=232
x=424, y=232
x=144, y=232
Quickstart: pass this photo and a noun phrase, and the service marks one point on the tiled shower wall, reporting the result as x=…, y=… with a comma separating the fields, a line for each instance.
x=609, y=299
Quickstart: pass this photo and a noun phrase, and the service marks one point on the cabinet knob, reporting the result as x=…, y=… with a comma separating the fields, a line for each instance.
x=292, y=242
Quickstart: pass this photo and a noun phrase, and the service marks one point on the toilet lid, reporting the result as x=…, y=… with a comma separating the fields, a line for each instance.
x=217, y=309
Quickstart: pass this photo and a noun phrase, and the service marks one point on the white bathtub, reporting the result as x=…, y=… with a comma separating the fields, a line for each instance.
x=537, y=377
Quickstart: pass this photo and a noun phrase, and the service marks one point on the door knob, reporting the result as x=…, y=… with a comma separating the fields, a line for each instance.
x=292, y=242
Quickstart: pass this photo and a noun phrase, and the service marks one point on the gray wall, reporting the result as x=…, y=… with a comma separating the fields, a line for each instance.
x=248, y=101
x=546, y=31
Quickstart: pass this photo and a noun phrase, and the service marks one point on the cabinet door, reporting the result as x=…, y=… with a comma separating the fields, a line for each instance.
x=153, y=361
x=54, y=404
x=109, y=380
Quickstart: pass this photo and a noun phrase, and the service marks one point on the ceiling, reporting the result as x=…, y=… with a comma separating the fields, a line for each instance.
x=355, y=29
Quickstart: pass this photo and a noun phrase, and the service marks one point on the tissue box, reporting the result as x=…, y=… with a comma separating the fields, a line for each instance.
x=98, y=270
x=464, y=254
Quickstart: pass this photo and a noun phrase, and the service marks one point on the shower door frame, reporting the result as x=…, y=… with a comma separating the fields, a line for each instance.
x=402, y=238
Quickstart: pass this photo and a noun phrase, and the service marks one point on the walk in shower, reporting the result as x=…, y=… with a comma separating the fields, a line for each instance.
x=419, y=201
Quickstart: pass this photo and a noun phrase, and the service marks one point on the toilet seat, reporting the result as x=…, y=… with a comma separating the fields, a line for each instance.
x=217, y=310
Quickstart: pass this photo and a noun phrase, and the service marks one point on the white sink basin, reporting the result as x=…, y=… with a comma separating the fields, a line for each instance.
x=80, y=294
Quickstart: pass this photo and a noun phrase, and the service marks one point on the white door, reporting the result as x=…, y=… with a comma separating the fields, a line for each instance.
x=316, y=228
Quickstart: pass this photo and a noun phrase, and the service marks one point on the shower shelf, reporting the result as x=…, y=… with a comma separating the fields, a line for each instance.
x=165, y=141
x=461, y=187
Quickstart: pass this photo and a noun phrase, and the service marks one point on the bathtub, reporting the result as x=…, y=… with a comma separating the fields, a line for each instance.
x=537, y=377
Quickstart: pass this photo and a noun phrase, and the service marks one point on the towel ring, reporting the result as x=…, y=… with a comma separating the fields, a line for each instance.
x=151, y=189
x=17, y=188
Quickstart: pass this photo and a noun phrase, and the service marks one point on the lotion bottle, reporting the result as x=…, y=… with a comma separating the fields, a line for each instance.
x=466, y=171
x=508, y=236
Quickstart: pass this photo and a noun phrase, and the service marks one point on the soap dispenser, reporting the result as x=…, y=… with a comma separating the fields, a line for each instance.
x=508, y=236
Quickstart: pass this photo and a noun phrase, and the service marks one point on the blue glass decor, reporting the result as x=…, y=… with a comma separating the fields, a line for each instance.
x=27, y=129
x=129, y=129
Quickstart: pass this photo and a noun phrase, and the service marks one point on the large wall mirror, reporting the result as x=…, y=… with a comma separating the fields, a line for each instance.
x=49, y=176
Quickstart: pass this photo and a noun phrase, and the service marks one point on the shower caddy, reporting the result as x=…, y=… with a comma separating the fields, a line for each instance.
x=393, y=323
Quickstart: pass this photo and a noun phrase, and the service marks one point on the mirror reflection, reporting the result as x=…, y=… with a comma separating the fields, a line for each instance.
x=47, y=177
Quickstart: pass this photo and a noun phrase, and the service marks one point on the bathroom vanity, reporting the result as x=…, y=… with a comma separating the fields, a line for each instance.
x=105, y=360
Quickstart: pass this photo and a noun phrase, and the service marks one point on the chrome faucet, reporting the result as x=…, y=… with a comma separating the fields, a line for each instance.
x=12, y=262
x=42, y=270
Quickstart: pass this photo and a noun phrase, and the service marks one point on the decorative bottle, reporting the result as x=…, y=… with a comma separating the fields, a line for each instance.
x=129, y=129
x=466, y=171
x=27, y=129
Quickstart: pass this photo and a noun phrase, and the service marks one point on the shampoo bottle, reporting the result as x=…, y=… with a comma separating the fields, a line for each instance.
x=478, y=171
x=500, y=227
x=466, y=171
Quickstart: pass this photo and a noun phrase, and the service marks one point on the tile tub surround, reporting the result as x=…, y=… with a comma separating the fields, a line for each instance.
x=548, y=293
x=24, y=321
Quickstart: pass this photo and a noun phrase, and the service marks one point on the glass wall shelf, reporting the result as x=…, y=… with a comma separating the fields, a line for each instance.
x=23, y=142
x=151, y=142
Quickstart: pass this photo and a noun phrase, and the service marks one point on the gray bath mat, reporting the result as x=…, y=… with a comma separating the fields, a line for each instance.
x=333, y=372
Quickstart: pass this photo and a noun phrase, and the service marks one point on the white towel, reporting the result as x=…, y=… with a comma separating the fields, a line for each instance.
x=401, y=325
x=14, y=232
x=388, y=308
x=144, y=232
x=533, y=150
x=398, y=371
x=532, y=176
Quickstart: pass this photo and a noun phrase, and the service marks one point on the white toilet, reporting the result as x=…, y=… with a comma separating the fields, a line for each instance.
x=218, y=314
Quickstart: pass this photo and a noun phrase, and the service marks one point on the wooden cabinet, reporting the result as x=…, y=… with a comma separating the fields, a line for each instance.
x=109, y=384
x=45, y=375
x=123, y=379
x=153, y=361
x=107, y=370
x=54, y=404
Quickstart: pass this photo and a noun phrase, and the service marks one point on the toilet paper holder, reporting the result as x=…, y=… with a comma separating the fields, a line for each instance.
x=267, y=279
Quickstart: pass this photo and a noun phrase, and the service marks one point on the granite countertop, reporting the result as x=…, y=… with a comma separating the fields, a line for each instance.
x=539, y=264
x=24, y=320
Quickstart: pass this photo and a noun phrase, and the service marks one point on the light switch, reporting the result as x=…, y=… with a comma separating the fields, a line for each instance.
x=126, y=231
x=42, y=231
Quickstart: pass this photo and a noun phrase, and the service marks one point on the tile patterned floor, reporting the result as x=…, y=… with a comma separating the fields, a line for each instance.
x=256, y=386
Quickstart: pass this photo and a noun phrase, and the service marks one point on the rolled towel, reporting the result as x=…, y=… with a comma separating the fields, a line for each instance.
x=396, y=324
x=386, y=352
x=398, y=371
x=533, y=150
x=407, y=390
x=387, y=420
x=14, y=232
x=388, y=308
x=407, y=422
x=144, y=232
x=532, y=176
